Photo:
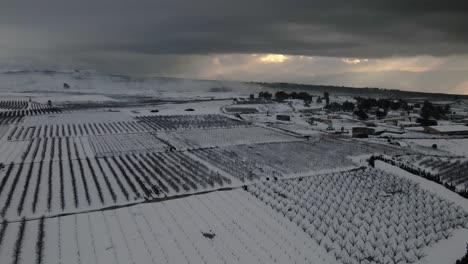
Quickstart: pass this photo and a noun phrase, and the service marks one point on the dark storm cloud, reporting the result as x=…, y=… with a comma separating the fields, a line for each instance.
x=326, y=28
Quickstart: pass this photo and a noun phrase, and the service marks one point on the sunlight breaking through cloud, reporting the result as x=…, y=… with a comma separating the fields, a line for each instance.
x=353, y=61
x=274, y=58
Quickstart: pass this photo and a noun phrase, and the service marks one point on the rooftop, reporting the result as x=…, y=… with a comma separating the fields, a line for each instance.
x=450, y=128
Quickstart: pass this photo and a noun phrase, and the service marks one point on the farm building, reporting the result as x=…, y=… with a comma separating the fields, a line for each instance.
x=447, y=130
x=283, y=117
x=408, y=124
x=362, y=132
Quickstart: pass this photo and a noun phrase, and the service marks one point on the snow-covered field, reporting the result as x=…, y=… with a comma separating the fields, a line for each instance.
x=223, y=227
x=366, y=216
x=193, y=139
x=122, y=170
x=457, y=147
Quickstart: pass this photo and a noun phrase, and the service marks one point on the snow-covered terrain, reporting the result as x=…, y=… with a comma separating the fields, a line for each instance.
x=112, y=169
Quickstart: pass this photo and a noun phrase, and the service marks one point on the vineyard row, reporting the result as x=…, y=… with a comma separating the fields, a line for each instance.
x=178, y=231
x=73, y=130
x=54, y=187
x=184, y=122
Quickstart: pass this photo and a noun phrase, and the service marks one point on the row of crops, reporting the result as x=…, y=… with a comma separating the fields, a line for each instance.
x=30, y=112
x=203, y=138
x=14, y=104
x=51, y=187
x=240, y=167
x=259, y=161
x=449, y=172
x=110, y=145
x=183, y=122
x=10, y=120
x=45, y=149
x=22, y=132
x=215, y=228
x=453, y=172
x=364, y=216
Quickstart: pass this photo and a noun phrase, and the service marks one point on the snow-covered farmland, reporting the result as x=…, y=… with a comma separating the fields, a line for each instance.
x=109, y=145
x=450, y=171
x=226, y=227
x=251, y=162
x=21, y=132
x=205, y=138
x=365, y=216
x=457, y=147
x=45, y=149
x=119, y=178
x=185, y=122
x=74, y=185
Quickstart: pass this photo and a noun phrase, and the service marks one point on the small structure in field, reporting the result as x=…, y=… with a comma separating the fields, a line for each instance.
x=283, y=117
x=362, y=132
x=447, y=130
x=66, y=86
x=404, y=124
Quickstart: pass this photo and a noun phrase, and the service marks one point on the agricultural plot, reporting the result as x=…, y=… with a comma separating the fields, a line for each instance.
x=31, y=110
x=259, y=161
x=185, y=122
x=83, y=117
x=3, y=130
x=26, y=132
x=258, y=108
x=450, y=171
x=45, y=149
x=365, y=216
x=13, y=104
x=300, y=157
x=240, y=167
x=455, y=147
x=73, y=185
x=10, y=120
x=193, y=139
x=110, y=145
x=220, y=227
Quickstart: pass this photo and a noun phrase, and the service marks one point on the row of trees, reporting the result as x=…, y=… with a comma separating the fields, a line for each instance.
x=428, y=110
x=386, y=104
x=417, y=171
x=351, y=216
x=345, y=106
x=282, y=95
x=364, y=105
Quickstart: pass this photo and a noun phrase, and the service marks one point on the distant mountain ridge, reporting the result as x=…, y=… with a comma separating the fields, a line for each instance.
x=229, y=85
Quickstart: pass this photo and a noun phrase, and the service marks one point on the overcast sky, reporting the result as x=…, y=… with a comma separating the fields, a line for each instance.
x=402, y=44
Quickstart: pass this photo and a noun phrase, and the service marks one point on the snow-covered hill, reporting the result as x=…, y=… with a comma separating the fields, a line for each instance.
x=92, y=82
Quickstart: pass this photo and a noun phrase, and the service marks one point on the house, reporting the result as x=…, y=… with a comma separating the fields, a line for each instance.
x=447, y=130
x=362, y=132
x=404, y=124
x=283, y=117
